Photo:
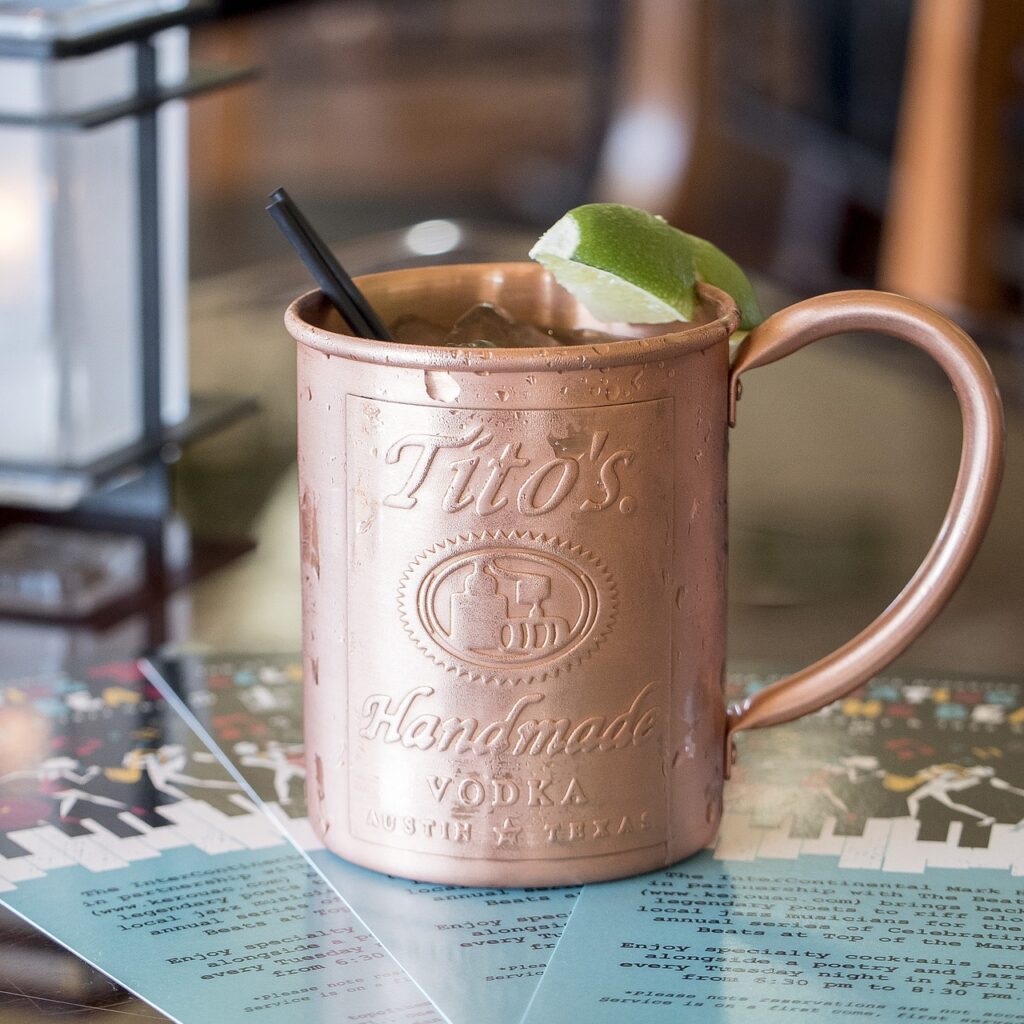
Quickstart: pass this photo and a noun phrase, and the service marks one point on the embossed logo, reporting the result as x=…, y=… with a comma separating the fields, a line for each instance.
x=507, y=607
x=584, y=466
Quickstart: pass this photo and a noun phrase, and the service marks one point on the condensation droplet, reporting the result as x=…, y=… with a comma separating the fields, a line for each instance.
x=319, y=778
x=503, y=394
x=627, y=505
x=441, y=386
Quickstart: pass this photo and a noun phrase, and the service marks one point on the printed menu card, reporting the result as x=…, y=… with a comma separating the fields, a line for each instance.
x=478, y=953
x=870, y=867
x=123, y=838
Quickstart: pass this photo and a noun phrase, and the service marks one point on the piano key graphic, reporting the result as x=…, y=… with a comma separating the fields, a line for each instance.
x=778, y=844
x=198, y=829
x=300, y=829
x=1006, y=846
x=19, y=869
x=9, y=848
x=83, y=850
x=867, y=850
x=128, y=848
x=166, y=837
x=253, y=830
x=42, y=855
x=827, y=843
x=737, y=838
x=905, y=851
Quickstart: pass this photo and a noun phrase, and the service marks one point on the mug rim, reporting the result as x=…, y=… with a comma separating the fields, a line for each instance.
x=301, y=315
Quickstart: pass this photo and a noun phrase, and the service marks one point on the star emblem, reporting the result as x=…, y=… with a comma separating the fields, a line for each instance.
x=507, y=833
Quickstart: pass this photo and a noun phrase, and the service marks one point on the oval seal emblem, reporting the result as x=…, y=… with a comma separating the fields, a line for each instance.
x=507, y=607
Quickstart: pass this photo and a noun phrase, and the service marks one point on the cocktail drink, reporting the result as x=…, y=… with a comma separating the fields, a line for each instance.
x=485, y=325
x=514, y=564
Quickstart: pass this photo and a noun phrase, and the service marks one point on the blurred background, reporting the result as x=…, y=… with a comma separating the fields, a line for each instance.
x=825, y=144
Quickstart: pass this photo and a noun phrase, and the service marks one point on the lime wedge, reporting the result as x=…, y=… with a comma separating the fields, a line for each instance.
x=627, y=265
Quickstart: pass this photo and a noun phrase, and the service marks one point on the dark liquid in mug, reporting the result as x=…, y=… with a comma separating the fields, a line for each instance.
x=488, y=326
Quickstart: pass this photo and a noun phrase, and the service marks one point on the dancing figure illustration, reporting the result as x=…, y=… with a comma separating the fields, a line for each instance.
x=165, y=768
x=938, y=781
x=59, y=778
x=284, y=761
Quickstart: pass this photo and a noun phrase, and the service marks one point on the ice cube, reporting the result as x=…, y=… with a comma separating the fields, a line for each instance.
x=587, y=336
x=415, y=330
x=488, y=326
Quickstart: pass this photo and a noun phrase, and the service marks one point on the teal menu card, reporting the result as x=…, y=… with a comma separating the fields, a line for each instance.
x=478, y=953
x=869, y=867
x=123, y=838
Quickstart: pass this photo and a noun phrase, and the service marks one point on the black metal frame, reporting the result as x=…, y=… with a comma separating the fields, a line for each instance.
x=199, y=81
x=209, y=415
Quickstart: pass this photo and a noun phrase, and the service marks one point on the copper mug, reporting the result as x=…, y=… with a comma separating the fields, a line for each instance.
x=514, y=567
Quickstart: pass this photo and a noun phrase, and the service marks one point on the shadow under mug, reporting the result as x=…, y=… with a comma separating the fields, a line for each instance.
x=514, y=567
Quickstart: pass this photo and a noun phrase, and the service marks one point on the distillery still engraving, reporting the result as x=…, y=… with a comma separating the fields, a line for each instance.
x=507, y=607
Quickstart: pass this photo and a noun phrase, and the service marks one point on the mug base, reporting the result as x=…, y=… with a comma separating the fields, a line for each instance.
x=523, y=873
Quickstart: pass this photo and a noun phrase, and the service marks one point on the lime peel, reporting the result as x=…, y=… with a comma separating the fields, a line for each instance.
x=610, y=298
x=627, y=265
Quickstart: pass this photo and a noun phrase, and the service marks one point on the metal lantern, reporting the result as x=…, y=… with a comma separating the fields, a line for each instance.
x=93, y=238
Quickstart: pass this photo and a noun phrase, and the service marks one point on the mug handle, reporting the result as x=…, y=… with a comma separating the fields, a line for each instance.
x=974, y=494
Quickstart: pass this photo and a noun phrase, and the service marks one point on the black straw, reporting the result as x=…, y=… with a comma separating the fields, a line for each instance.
x=332, y=277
